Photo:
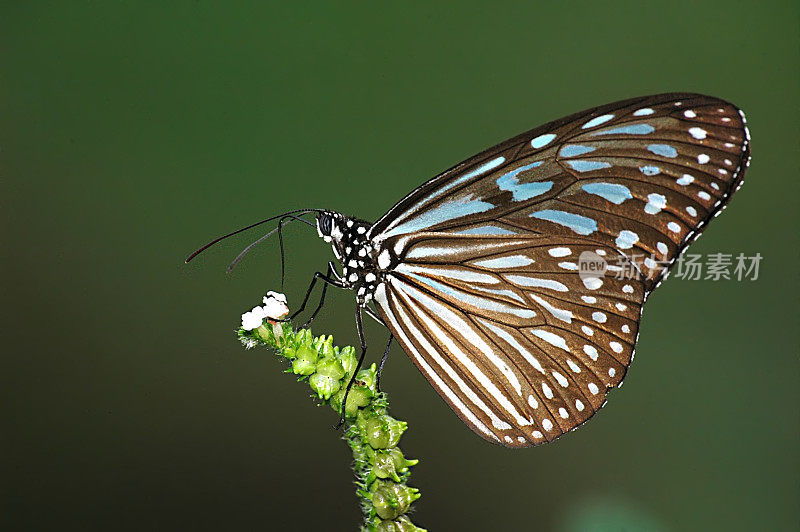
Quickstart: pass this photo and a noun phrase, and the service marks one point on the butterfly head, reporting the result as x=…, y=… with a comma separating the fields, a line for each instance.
x=341, y=232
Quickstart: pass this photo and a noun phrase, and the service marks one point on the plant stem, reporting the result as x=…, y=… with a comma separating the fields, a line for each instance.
x=373, y=435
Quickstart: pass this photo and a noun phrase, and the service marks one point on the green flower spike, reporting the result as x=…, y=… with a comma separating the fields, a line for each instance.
x=373, y=435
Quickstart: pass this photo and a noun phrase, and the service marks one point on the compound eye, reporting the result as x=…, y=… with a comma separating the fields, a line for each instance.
x=325, y=224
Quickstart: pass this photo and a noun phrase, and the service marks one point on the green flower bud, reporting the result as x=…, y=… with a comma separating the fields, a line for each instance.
x=404, y=524
x=383, y=431
x=302, y=366
x=357, y=398
x=401, y=524
x=324, y=385
x=307, y=353
x=375, y=433
x=306, y=361
x=330, y=367
x=264, y=333
x=326, y=348
x=384, y=467
x=348, y=359
x=390, y=499
x=280, y=331
x=368, y=376
x=390, y=464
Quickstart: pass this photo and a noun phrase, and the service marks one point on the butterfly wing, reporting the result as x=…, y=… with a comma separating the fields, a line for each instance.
x=522, y=352
x=480, y=282
x=642, y=175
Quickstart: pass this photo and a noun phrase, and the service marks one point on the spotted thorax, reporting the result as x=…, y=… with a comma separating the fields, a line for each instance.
x=361, y=269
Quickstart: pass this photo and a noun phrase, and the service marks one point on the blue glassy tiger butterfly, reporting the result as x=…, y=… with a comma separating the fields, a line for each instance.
x=476, y=271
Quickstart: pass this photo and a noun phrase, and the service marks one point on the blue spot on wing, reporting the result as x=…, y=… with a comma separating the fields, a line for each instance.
x=580, y=224
x=609, y=191
x=650, y=170
x=573, y=150
x=634, y=129
x=523, y=191
x=453, y=209
x=486, y=230
x=665, y=150
x=587, y=166
x=491, y=165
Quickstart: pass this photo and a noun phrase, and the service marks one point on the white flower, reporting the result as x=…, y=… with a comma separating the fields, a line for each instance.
x=253, y=319
x=276, y=295
x=275, y=306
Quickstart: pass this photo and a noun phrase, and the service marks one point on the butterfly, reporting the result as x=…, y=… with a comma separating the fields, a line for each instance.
x=478, y=272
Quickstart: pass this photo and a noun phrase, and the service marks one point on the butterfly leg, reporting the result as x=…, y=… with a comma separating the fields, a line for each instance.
x=327, y=279
x=383, y=361
x=363, y=339
x=377, y=318
x=321, y=298
x=280, y=244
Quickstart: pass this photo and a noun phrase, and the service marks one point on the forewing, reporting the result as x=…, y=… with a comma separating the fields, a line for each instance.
x=520, y=346
x=643, y=176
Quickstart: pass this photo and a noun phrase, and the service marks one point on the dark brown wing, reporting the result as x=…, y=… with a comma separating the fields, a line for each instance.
x=520, y=345
x=642, y=175
x=480, y=264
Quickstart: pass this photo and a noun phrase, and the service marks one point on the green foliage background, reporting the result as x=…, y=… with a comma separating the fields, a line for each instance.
x=131, y=132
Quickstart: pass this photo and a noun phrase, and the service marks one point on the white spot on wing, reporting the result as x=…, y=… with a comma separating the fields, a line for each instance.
x=655, y=203
x=534, y=282
x=561, y=314
x=592, y=283
x=559, y=252
x=597, y=121
x=562, y=380
x=591, y=351
x=513, y=261
x=626, y=239
x=533, y=402
x=551, y=338
x=547, y=391
x=542, y=140
x=698, y=133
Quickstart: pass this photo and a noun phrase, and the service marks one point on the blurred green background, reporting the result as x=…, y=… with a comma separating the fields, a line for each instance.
x=133, y=132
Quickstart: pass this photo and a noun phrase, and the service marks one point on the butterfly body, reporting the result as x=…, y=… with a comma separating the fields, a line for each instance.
x=476, y=272
x=355, y=252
